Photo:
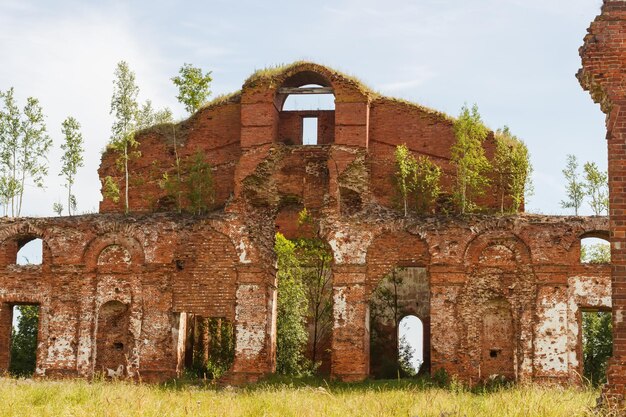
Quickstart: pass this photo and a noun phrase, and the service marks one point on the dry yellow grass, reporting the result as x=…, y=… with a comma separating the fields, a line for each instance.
x=81, y=398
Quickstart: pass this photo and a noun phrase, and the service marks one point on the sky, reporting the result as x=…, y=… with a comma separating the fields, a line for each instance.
x=516, y=59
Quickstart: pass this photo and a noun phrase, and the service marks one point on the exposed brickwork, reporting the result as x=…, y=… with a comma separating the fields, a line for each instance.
x=603, y=55
x=121, y=294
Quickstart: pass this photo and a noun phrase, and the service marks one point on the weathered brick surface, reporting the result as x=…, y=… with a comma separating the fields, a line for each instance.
x=498, y=294
x=602, y=74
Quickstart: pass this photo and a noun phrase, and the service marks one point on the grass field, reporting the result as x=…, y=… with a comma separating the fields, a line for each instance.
x=314, y=398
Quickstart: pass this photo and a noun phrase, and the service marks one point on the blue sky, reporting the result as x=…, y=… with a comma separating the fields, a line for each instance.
x=515, y=58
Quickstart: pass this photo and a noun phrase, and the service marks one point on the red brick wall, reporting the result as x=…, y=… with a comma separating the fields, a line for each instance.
x=603, y=54
x=290, y=127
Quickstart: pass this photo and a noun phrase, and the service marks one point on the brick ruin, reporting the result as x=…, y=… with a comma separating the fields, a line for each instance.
x=602, y=74
x=498, y=294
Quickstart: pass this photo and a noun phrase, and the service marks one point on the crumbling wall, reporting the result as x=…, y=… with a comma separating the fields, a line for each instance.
x=112, y=291
x=512, y=273
x=602, y=75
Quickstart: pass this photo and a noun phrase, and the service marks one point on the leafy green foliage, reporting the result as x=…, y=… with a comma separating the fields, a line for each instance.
x=216, y=357
x=24, y=341
x=110, y=189
x=72, y=158
x=291, y=334
x=57, y=208
x=417, y=181
x=468, y=155
x=597, y=345
x=315, y=259
x=512, y=169
x=193, y=87
x=596, y=186
x=406, y=353
x=147, y=116
x=575, y=188
x=192, y=182
x=599, y=253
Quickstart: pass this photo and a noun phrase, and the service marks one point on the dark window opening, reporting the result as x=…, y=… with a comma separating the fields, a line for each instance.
x=493, y=353
x=597, y=340
x=118, y=346
x=209, y=342
x=24, y=340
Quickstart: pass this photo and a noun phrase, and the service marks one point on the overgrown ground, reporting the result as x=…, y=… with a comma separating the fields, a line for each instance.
x=284, y=398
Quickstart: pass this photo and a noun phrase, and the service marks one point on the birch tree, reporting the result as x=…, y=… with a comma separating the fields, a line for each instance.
x=72, y=158
x=124, y=108
x=193, y=87
x=468, y=155
x=596, y=187
x=33, y=149
x=574, y=188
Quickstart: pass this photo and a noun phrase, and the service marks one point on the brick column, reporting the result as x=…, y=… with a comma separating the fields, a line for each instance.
x=6, y=318
x=616, y=126
x=603, y=55
x=255, y=325
x=350, y=344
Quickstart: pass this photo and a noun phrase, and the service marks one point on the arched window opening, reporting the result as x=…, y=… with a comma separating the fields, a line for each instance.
x=309, y=97
x=307, y=115
x=30, y=252
x=410, y=345
x=595, y=250
x=399, y=340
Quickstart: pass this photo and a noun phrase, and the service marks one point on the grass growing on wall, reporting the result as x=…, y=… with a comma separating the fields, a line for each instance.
x=287, y=398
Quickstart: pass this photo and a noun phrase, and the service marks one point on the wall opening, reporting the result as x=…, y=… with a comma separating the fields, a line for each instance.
x=113, y=340
x=30, y=252
x=595, y=250
x=497, y=341
x=410, y=344
x=304, y=305
x=209, y=349
x=23, y=346
x=309, y=130
x=400, y=309
x=597, y=345
x=305, y=98
x=307, y=112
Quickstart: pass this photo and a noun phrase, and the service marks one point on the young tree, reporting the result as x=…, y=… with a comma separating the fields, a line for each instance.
x=425, y=184
x=316, y=258
x=417, y=181
x=199, y=184
x=147, y=116
x=72, y=158
x=32, y=159
x=405, y=166
x=574, y=188
x=124, y=108
x=512, y=170
x=468, y=155
x=596, y=186
x=9, y=139
x=291, y=334
x=193, y=87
